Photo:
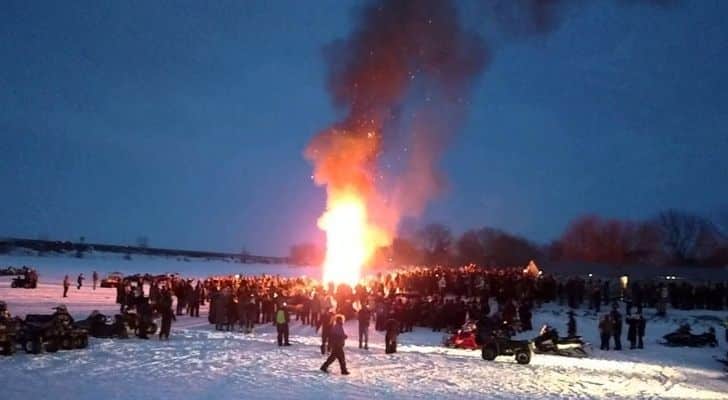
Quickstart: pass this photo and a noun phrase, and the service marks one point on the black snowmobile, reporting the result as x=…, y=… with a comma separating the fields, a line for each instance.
x=100, y=326
x=549, y=342
x=683, y=337
x=724, y=361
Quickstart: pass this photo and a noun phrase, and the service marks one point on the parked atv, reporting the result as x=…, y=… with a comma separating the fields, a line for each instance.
x=99, y=326
x=24, y=282
x=500, y=344
x=51, y=333
x=8, y=331
x=549, y=342
x=682, y=337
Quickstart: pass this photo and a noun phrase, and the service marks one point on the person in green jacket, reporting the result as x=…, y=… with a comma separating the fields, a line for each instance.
x=282, y=319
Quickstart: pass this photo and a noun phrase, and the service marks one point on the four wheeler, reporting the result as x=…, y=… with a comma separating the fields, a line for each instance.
x=51, y=333
x=8, y=329
x=25, y=282
x=549, y=342
x=99, y=326
x=500, y=344
x=683, y=337
x=112, y=280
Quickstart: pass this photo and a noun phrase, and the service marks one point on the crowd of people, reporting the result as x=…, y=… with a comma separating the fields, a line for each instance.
x=441, y=299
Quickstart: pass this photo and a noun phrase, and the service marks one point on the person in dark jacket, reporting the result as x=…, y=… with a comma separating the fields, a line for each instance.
x=364, y=317
x=95, y=278
x=282, y=320
x=616, y=318
x=605, y=331
x=390, y=338
x=571, y=325
x=79, y=280
x=525, y=315
x=327, y=320
x=640, y=326
x=632, y=331
x=195, y=300
x=167, y=313
x=144, y=311
x=66, y=285
x=337, y=338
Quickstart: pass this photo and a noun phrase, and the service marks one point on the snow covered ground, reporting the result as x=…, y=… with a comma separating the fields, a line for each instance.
x=200, y=363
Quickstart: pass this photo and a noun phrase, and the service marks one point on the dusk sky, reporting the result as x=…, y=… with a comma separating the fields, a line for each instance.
x=186, y=121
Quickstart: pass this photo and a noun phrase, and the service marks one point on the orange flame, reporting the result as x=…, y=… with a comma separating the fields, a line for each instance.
x=350, y=239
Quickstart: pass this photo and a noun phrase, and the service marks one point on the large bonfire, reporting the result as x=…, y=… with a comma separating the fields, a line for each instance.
x=406, y=67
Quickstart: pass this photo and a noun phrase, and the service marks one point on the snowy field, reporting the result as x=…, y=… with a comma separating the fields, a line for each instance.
x=200, y=363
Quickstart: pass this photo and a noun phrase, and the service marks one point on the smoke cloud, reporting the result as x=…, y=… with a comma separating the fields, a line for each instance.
x=401, y=52
x=402, y=81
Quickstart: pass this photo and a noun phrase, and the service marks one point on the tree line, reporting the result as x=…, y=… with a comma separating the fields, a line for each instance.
x=673, y=237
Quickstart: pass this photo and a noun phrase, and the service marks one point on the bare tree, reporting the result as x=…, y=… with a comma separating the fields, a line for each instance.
x=142, y=242
x=688, y=238
x=436, y=241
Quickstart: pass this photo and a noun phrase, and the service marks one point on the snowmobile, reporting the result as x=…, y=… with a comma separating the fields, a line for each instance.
x=724, y=361
x=100, y=326
x=549, y=342
x=463, y=338
x=682, y=337
x=133, y=321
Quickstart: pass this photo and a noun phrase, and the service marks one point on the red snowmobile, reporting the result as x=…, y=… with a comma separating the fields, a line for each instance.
x=463, y=338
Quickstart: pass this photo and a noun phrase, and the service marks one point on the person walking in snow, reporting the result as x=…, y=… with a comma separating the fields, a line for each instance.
x=66, y=285
x=337, y=339
x=80, y=281
x=327, y=321
x=95, y=278
x=282, y=320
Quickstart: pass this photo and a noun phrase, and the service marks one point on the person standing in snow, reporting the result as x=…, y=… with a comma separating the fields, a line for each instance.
x=80, y=281
x=525, y=315
x=337, y=338
x=66, y=285
x=616, y=318
x=390, y=338
x=442, y=285
x=641, y=324
x=364, y=317
x=282, y=320
x=571, y=325
x=95, y=278
x=165, y=309
x=605, y=331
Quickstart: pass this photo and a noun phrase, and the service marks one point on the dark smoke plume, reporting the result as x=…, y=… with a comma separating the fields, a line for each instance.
x=414, y=56
x=398, y=49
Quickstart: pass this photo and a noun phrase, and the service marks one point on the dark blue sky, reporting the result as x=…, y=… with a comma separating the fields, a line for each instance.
x=186, y=121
